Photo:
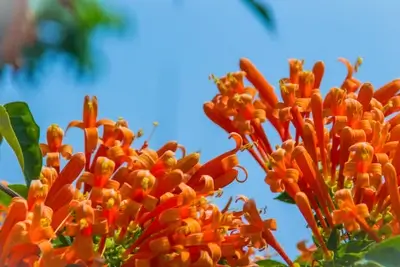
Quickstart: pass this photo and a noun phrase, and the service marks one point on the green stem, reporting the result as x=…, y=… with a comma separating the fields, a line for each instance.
x=9, y=191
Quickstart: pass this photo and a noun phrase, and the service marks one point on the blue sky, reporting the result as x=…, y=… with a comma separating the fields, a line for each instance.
x=159, y=72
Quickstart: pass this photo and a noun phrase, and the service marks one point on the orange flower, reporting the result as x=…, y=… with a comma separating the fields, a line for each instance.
x=305, y=209
x=259, y=231
x=306, y=253
x=150, y=206
x=99, y=179
x=89, y=125
x=22, y=232
x=344, y=144
x=83, y=230
x=350, y=215
x=54, y=147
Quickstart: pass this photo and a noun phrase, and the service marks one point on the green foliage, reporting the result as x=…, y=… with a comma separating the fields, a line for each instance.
x=333, y=240
x=270, y=263
x=114, y=251
x=223, y=262
x=21, y=189
x=284, y=197
x=61, y=241
x=363, y=253
x=263, y=11
x=351, y=252
x=7, y=132
x=386, y=253
x=24, y=138
x=73, y=25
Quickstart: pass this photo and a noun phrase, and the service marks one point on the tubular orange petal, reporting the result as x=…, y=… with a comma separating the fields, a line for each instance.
x=37, y=193
x=318, y=70
x=75, y=124
x=45, y=149
x=69, y=173
x=306, y=83
x=257, y=79
x=17, y=212
x=305, y=208
x=295, y=68
x=390, y=175
x=66, y=151
x=90, y=108
x=387, y=91
x=365, y=95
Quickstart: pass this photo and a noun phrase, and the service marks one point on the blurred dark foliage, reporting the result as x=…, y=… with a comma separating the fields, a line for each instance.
x=64, y=31
x=264, y=12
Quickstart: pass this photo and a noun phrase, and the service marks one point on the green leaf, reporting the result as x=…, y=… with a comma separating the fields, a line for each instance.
x=284, y=197
x=386, y=253
x=367, y=264
x=27, y=133
x=333, y=240
x=263, y=11
x=71, y=39
x=354, y=246
x=61, y=241
x=8, y=133
x=21, y=189
x=349, y=253
x=270, y=263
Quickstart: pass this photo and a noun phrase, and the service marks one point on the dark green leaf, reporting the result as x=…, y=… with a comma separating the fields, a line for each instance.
x=360, y=235
x=263, y=12
x=284, y=197
x=333, y=240
x=349, y=259
x=21, y=189
x=386, y=253
x=270, y=263
x=354, y=246
x=61, y=241
x=27, y=133
x=223, y=262
x=351, y=252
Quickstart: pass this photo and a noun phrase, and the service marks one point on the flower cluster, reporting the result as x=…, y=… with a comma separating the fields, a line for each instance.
x=341, y=163
x=114, y=205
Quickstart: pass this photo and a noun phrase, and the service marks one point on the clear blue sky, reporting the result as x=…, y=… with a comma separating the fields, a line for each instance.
x=160, y=73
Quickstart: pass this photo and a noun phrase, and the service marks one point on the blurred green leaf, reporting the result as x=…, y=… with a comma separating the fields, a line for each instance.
x=270, y=263
x=27, y=134
x=367, y=264
x=72, y=25
x=61, y=241
x=21, y=189
x=284, y=197
x=263, y=11
x=386, y=253
x=333, y=240
x=354, y=246
x=347, y=254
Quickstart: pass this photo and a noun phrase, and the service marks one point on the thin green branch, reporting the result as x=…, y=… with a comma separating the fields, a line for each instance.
x=9, y=191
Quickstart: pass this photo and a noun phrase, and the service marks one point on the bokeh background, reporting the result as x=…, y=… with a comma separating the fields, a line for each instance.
x=157, y=69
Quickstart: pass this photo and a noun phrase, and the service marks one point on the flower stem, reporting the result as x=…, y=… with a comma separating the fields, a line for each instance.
x=9, y=191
